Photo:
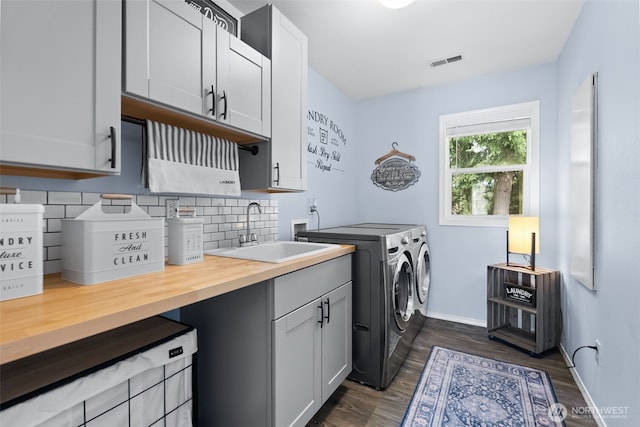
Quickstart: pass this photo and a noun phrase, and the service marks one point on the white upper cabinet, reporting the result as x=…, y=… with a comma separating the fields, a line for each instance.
x=60, y=86
x=244, y=85
x=272, y=34
x=179, y=58
x=170, y=54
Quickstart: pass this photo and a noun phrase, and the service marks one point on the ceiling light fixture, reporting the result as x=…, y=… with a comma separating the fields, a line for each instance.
x=395, y=4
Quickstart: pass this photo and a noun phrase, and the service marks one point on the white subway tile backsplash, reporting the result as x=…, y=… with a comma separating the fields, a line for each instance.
x=210, y=210
x=217, y=236
x=187, y=201
x=64, y=198
x=224, y=219
x=210, y=228
x=53, y=211
x=39, y=197
x=147, y=200
x=51, y=239
x=90, y=198
x=53, y=253
x=157, y=211
x=73, y=211
x=53, y=225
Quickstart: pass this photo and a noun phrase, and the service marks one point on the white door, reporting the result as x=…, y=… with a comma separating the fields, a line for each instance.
x=297, y=365
x=336, y=339
x=60, y=77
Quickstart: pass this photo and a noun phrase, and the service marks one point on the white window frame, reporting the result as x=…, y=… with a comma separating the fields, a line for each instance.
x=497, y=119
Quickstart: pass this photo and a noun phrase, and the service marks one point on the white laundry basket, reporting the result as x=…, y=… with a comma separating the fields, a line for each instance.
x=151, y=387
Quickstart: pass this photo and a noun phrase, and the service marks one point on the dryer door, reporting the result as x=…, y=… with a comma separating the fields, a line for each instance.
x=423, y=274
x=403, y=292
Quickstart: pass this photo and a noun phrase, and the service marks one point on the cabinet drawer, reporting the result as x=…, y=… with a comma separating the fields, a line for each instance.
x=295, y=289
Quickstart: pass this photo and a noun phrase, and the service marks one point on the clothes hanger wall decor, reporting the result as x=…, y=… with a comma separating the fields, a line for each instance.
x=395, y=170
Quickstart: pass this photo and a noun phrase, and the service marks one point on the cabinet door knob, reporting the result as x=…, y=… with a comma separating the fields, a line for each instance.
x=112, y=135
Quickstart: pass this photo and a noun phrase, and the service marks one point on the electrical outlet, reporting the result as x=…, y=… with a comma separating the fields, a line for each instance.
x=598, y=352
x=172, y=208
x=313, y=205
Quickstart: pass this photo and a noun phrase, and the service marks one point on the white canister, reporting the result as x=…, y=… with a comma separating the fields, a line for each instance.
x=21, y=261
x=185, y=240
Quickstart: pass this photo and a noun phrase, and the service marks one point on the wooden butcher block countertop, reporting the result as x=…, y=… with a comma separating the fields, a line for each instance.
x=66, y=312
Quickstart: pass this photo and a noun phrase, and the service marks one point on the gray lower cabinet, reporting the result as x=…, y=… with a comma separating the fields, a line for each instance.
x=312, y=355
x=272, y=353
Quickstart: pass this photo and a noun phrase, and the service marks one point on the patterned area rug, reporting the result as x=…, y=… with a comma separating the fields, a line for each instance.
x=459, y=389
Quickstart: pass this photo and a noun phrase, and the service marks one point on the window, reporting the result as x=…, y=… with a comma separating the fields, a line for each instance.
x=489, y=165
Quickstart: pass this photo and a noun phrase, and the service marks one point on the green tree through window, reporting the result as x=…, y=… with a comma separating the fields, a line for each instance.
x=487, y=173
x=489, y=165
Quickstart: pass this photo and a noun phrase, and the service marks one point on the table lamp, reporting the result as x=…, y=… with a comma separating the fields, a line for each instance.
x=523, y=237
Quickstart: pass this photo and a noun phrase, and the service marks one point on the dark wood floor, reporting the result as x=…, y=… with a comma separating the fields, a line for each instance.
x=354, y=404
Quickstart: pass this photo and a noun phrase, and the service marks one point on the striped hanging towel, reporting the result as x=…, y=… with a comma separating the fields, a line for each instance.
x=184, y=161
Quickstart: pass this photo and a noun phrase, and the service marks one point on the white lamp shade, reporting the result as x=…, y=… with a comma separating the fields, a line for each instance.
x=520, y=229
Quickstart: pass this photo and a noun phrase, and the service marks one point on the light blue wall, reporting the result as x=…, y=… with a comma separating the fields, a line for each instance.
x=459, y=255
x=334, y=190
x=606, y=40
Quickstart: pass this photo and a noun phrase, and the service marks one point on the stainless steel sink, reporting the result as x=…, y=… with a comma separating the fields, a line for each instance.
x=278, y=251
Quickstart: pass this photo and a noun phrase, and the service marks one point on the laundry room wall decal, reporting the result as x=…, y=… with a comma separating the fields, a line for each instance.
x=395, y=170
x=326, y=140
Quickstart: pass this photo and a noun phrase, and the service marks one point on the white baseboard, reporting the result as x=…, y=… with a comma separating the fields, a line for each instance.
x=583, y=389
x=457, y=319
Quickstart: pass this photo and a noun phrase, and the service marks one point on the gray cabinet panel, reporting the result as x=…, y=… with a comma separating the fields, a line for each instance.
x=60, y=78
x=296, y=357
x=179, y=59
x=234, y=357
x=268, y=31
x=336, y=339
x=169, y=54
x=296, y=289
x=256, y=368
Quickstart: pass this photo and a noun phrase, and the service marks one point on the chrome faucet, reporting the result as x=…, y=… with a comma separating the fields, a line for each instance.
x=250, y=239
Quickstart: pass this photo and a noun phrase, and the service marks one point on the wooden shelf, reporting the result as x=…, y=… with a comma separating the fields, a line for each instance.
x=141, y=109
x=535, y=328
x=514, y=304
x=515, y=336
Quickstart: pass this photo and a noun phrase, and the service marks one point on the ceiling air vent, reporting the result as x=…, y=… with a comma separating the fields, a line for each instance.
x=449, y=60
